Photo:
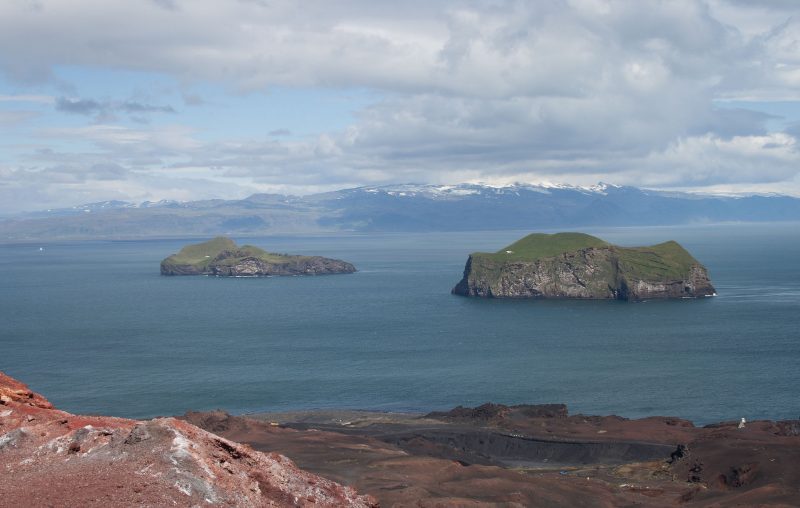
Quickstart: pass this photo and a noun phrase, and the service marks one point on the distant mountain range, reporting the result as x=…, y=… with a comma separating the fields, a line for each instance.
x=406, y=207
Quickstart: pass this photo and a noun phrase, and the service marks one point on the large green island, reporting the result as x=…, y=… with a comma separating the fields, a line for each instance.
x=577, y=265
x=222, y=257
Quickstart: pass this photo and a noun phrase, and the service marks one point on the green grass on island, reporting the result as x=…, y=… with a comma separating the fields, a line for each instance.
x=202, y=254
x=657, y=262
x=540, y=245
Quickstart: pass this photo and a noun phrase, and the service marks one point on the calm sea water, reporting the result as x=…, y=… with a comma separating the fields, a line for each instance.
x=94, y=327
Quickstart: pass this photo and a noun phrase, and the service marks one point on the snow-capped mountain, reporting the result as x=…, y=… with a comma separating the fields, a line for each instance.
x=401, y=207
x=459, y=191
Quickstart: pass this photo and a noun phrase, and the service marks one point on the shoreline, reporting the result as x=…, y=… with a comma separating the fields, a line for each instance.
x=334, y=415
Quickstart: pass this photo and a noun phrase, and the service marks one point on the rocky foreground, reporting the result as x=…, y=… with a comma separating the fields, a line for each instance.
x=491, y=455
x=53, y=458
x=530, y=456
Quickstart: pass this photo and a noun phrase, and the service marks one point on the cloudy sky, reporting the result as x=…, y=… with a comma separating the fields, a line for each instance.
x=190, y=99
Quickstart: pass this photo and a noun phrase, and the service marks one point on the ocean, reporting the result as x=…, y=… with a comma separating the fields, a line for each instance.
x=95, y=328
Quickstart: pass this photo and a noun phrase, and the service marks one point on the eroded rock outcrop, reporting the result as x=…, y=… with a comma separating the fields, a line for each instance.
x=53, y=458
x=574, y=265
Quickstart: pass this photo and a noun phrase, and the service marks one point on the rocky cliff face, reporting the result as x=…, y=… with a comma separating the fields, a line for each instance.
x=53, y=458
x=254, y=267
x=592, y=273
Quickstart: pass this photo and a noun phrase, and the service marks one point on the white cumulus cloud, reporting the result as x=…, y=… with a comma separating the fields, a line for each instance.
x=644, y=93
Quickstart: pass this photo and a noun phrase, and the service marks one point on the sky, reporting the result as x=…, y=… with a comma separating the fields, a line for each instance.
x=196, y=99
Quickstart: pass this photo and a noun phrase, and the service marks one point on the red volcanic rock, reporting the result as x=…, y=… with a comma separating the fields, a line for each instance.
x=12, y=390
x=53, y=458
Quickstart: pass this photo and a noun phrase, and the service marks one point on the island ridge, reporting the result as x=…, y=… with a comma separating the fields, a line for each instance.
x=222, y=257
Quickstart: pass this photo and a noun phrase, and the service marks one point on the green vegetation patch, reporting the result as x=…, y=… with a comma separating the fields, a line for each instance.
x=540, y=246
x=200, y=255
x=664, y=261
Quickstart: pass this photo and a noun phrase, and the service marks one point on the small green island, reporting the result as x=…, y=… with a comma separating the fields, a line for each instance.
x=223, y=258
x=577, y=265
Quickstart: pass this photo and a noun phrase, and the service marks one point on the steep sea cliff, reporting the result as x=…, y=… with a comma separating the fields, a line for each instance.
x=574, y=265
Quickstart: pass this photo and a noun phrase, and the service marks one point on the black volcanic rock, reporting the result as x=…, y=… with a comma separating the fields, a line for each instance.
x=491, y=411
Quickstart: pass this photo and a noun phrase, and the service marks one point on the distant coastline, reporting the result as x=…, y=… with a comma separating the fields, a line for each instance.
x=399, y=208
